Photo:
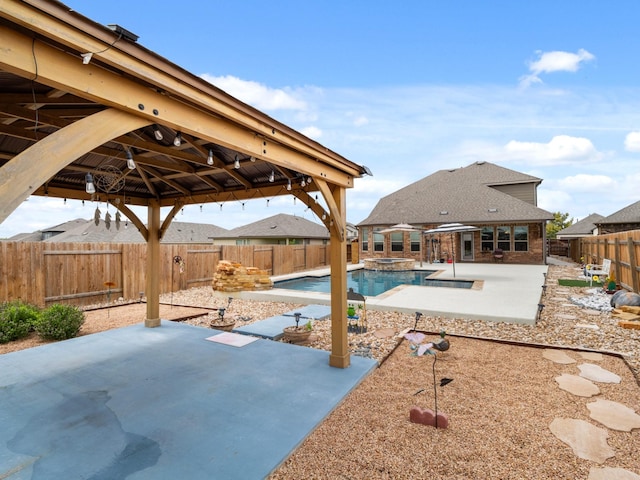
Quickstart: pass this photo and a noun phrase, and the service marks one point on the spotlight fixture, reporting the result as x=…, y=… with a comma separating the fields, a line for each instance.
x=86, y=57
x=210, y=157
x=131, y=165
x=157, y=133
x=90, y=188
x=236, y=163
x=272, y=177
x=177, y=141
x=289, y=185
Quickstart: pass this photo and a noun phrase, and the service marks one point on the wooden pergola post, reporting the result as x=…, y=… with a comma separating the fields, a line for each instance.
x=153, y=266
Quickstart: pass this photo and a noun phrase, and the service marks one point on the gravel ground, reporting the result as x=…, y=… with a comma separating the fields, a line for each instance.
x=500, y=404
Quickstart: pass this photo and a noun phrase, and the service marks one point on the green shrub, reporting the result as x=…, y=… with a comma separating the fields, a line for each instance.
x=17, y=319
x=59, y=322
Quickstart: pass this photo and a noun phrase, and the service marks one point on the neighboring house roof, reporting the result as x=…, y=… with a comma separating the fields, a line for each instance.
x=279, y=226
x=80, y=230
x=582, y=228
x=43, y=234
x=465, y=194
x=628, y=214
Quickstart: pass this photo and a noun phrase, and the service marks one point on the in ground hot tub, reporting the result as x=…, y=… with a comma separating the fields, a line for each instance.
x=389, y=264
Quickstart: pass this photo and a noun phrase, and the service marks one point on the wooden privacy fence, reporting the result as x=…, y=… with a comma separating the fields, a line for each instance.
x=94, y=273
x=622, y=248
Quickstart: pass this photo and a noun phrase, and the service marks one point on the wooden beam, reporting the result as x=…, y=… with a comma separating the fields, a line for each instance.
x=339, y=342
x=22, y=175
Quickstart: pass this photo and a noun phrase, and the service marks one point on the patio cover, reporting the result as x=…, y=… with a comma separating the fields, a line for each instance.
x=78, y=100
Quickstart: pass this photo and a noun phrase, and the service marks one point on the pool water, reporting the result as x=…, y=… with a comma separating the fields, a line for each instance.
x=372, y=283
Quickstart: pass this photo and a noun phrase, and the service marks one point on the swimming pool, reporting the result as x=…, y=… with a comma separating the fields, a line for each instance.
x=372, y=283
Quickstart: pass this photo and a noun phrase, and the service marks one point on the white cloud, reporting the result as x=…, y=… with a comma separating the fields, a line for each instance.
x=556, y=61
x=632, y=142
x=312, y=132
x=562, y=149
x=587, y=183
x=256, y=94
x=360, y=121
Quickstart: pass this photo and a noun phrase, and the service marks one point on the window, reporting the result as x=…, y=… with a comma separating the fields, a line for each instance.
x=415, y=241
x=396, y=241
x=504, y=238
x=365, y=239
x=487, y=239
x=521, y=239
x=378, y=241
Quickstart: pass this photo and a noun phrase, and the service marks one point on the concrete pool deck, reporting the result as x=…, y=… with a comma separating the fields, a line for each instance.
x=501, y=293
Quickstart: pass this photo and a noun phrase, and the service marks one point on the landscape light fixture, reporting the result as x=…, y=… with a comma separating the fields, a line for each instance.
x=157, y=133
x=177, y=141
x=210, y=157
x=236, y=163
x=272, y=177
x=131, y=165
x=90, y=187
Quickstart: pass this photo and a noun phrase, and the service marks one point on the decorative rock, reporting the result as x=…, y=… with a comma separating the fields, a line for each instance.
x=614, y=415
x=588, y=325
x=622, y=297
x=566, y=316
x=587, y=441
x=610, y=473
x=598, y=374
x=557, y=356
x=426, y=416
x=576, y=385
x=593, y=356
x=385, y=332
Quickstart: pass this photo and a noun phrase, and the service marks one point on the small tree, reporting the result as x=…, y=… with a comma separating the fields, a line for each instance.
x=560, y=221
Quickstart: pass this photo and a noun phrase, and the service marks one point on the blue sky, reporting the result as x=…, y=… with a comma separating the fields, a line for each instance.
x=407, y=88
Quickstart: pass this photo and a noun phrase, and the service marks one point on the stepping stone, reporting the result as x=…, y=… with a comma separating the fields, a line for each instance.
x=579, y=386
x=614, y=415
x=566, y=316
x=567, y=305
x=317, y=312
x=557, y=356
x=587, y=441
x=384, y=333
x=611, y=473
x=598, y=374
x=588, y=325
x=270, y=328
x=592, y=312
x=593, y=356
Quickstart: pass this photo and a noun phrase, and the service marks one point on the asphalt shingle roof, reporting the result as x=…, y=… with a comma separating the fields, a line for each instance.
x=466, y=194
x=628, y=214
x=582, y=228
x=279, y=226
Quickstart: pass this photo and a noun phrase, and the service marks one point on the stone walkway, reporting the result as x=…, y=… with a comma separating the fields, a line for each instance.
x=589, y=441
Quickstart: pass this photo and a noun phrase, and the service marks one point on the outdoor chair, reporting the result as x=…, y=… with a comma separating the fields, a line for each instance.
x=592, y=270
x=498, y=255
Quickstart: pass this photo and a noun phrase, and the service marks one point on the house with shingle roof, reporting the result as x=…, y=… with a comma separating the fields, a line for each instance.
x=81, y=230
x=281, y=229
x=627, y=218
x=582, y=228
x=501, y=202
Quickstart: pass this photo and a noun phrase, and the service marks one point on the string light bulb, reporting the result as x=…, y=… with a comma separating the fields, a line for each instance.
x=303, y=183
x=236, y=163
x=272, y=177
x=210, y=157
x=177, y=141
x=90, y=187
x=157, y=133
x=131, y=165
x=289, y=185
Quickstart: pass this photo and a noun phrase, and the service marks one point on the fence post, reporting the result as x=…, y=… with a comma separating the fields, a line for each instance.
x=632, y=264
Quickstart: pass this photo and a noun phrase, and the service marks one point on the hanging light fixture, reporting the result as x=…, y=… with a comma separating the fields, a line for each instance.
x=131, y=165
x=90, y=188
x=236, y=164
x=157, y=133
x=272, y=177
x=210, y=157
x=177, y=141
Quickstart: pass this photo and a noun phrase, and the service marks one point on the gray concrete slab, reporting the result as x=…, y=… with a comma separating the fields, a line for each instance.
x=501, y=293
x=162, y=403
